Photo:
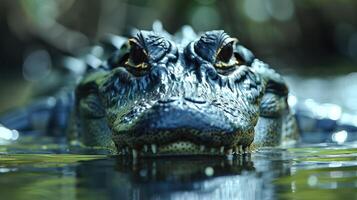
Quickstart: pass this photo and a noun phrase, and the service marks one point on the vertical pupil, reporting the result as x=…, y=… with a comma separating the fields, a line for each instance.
x=137, y=54
x=226, y=53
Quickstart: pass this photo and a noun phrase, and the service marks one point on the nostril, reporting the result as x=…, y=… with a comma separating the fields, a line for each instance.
x=195, y=100
x=168, y=100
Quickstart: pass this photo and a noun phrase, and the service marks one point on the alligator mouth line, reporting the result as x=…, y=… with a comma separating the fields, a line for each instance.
x=183, y=148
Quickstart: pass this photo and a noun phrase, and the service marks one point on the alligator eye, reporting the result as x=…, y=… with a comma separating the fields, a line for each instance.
x=138, y=58
x=225, y=57
x=225, y=53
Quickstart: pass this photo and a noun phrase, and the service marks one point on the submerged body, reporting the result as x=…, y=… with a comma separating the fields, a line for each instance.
x=160, y=94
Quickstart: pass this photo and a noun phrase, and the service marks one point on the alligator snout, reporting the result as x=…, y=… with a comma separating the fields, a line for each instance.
x=184, y=125
x=183, y=114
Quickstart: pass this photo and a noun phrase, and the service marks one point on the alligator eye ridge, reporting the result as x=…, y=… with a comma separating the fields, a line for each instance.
x=138, y=58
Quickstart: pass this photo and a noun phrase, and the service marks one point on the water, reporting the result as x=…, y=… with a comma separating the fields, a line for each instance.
x=42, y=168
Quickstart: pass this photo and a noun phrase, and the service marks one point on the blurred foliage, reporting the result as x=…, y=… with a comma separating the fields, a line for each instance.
x=294, y=35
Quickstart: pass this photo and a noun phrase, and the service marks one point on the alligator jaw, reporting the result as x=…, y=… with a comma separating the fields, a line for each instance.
x=183, y=142
x=183, y=148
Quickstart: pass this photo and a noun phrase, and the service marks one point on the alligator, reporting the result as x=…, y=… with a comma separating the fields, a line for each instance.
x=162, y=94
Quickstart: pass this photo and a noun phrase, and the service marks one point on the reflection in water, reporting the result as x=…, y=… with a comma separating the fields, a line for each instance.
x=310, y=172
x=181, y=177
x=189, y=177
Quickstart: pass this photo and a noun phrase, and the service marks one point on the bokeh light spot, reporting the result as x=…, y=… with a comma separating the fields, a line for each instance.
x=312, y=181
x=209, y=171
x=205, y=18
x=281, y=10
x=7, y=134
x=339, y=137
x=256, y=10
x=37, y=65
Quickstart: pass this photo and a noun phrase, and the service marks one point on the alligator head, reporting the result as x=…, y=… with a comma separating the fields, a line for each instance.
x=157, y=96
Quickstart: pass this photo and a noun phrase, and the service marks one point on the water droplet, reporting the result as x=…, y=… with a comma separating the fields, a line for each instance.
x=312, y=180
x=209, y=171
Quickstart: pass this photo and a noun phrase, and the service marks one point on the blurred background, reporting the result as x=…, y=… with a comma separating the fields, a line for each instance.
x=308, y=38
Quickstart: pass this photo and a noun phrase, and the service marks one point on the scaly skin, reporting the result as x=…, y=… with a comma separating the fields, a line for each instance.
x=156, y=96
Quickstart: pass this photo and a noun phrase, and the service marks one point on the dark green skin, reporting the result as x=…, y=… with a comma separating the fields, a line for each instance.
x=211, y=94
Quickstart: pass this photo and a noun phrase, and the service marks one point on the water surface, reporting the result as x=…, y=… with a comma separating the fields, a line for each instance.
x=43, y=168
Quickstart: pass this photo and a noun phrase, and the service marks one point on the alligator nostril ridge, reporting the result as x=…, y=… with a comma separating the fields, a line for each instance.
x=194, y=100
x=189, y=99
x=169, y=100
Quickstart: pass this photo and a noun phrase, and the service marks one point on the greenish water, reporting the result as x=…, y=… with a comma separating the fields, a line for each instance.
x=40, y=168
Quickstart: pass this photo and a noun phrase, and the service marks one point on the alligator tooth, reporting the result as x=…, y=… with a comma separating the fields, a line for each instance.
x=153, y=148
x=145, y=148
x=251, y=149
x=221, y=149
x=202, y=148
x=236, y=149
x=135, y=154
